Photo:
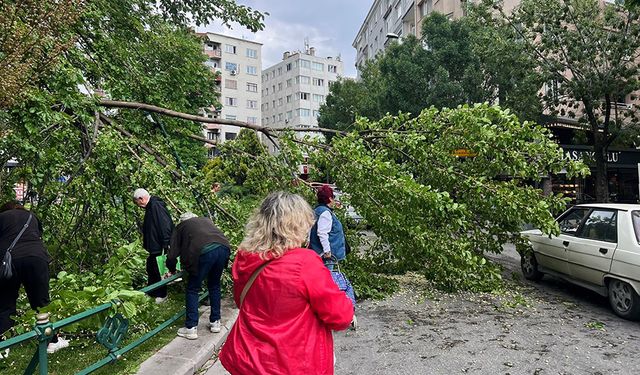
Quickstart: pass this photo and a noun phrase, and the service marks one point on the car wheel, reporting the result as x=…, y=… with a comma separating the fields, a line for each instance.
x=624, y=300
x=529, y=267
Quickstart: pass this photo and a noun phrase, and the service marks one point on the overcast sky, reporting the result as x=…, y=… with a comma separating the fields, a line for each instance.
x=330, y=25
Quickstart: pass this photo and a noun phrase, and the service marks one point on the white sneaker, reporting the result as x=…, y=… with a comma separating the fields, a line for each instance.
x=188, y=333
x=160, y=300
x=215, y=327
x=4, y=354
x=55, y=346
x=354, y=323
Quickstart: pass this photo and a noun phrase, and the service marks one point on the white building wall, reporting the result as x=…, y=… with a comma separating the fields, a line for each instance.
x=240, y=67
x=294, y=89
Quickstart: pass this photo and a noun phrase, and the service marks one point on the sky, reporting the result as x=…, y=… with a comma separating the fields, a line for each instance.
x=330, y=25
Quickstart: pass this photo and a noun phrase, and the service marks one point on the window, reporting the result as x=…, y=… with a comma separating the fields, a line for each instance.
x=280, y=86
x=316, y=114
x=265, y=121
x=318, y=82
x=600, y=226
x=265, y=77
x=273, y=89
x=230, y=48
x=289, y=115
x=289, y=98
x=426, y=8
x=252, y=53
x=303, y=96
x=280, y=102
x=288, y=67
x=273, y=74
x=252, y=87
x=317, y=66
x=252, y=120
x=303, y=80
x=230, y=136
x=252, y=104
x=570, y=222
x=231, y=66
x=231, y=117
x=331, y=83
x=231, y=101
x=273, y=119
x=266, y=106
x=273, y=103
x=252, y=70
x=212, y=135
x=289, y=82
x=305, y=64
x=212, y=152
x=230, y=84
x=304, y=112
x=211, y=63
x=280, y=116
x=318, y=98
x=332, y=68
x=280, y=71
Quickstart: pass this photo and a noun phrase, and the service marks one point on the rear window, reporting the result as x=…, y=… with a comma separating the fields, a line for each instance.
x=635, y=217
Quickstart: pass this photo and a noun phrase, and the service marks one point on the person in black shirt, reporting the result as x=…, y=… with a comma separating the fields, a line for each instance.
x=156, y=236
x=30, y=262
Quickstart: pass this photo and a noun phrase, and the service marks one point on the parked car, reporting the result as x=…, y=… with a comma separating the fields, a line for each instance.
x=598, y=248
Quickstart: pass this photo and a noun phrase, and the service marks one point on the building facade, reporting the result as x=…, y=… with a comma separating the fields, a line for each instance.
x=391, y=19
x=294, y=89
x=238, y=62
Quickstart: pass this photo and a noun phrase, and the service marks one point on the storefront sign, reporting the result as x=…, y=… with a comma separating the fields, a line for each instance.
x=612, y=157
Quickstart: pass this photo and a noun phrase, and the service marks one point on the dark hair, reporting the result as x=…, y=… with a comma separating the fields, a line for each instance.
x=325, y=194
x=11, y=205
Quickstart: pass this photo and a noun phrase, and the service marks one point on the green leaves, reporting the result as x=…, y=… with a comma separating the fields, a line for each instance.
x=438, y=213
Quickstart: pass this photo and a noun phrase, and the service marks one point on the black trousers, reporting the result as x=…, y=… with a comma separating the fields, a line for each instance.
x=153, y=276
x=33, y=274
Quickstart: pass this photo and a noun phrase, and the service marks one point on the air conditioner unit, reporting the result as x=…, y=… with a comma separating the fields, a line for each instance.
x=234, y=72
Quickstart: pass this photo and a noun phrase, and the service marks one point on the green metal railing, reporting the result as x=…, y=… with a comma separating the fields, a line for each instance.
x=110, y=335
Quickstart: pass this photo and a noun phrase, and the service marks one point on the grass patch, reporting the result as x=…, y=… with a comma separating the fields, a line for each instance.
x=84, y=350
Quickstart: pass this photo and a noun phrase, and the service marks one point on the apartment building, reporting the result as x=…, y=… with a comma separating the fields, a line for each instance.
x=388, y=20
x=238, y=62
x=295, y=88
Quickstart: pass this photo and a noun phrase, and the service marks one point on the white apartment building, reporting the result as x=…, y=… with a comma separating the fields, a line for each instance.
x=388, y=19
x=295, y=88
x=239, y=63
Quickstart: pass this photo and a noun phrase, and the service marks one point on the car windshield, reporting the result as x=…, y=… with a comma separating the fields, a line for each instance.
x=635, y=217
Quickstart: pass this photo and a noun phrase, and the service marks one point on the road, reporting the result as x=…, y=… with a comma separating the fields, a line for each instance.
x=550, y=327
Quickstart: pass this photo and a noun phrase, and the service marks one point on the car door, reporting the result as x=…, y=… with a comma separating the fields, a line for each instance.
x=591, y=251
x=551, y=251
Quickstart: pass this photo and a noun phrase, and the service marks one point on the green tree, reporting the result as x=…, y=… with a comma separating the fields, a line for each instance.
x=587, y=55
x=456, y=62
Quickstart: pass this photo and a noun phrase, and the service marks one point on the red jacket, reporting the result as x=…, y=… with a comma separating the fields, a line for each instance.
x=285, y=324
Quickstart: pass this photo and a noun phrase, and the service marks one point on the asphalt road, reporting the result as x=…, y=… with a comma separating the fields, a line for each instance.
x=550, y=327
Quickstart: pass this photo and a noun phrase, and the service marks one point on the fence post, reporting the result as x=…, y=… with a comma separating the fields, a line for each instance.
x=45, y=333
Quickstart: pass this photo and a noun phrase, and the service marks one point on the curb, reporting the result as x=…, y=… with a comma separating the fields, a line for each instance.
x=186, y=357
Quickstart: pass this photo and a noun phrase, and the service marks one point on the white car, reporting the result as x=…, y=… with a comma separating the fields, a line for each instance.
x=598, y=248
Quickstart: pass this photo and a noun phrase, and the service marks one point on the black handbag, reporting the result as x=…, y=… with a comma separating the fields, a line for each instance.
x=6, y=266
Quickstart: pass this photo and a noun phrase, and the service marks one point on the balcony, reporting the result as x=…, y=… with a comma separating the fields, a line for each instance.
x=214, y=53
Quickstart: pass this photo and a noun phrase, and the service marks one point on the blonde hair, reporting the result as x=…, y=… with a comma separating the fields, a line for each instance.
x=281, y=223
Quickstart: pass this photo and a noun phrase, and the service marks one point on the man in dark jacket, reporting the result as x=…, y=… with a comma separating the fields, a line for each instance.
x=204, y=253
x=156, y=236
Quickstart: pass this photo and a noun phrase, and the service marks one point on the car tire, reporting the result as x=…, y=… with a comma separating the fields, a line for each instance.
x=529, y=266
x=624, y=300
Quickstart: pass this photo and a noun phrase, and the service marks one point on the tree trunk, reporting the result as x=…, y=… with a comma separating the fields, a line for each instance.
x=600, y=156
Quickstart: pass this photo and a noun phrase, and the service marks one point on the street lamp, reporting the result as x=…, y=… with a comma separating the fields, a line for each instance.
x=393, y=36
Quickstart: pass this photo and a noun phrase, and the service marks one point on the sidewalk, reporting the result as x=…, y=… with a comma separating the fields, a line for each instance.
x=186, y=357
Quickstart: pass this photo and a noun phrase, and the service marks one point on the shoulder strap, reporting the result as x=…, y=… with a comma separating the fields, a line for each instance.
x=251, y=280
x=20, y=234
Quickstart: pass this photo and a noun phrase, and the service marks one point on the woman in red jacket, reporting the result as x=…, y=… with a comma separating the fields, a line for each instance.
x=290, y=309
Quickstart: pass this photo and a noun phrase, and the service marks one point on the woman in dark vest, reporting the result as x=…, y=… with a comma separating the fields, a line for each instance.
x=327, y=235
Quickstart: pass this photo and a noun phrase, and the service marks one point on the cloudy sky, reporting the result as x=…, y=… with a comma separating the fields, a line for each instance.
x=330, y=25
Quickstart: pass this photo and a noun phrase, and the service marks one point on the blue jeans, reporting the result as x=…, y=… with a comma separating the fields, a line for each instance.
x=210, y=266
